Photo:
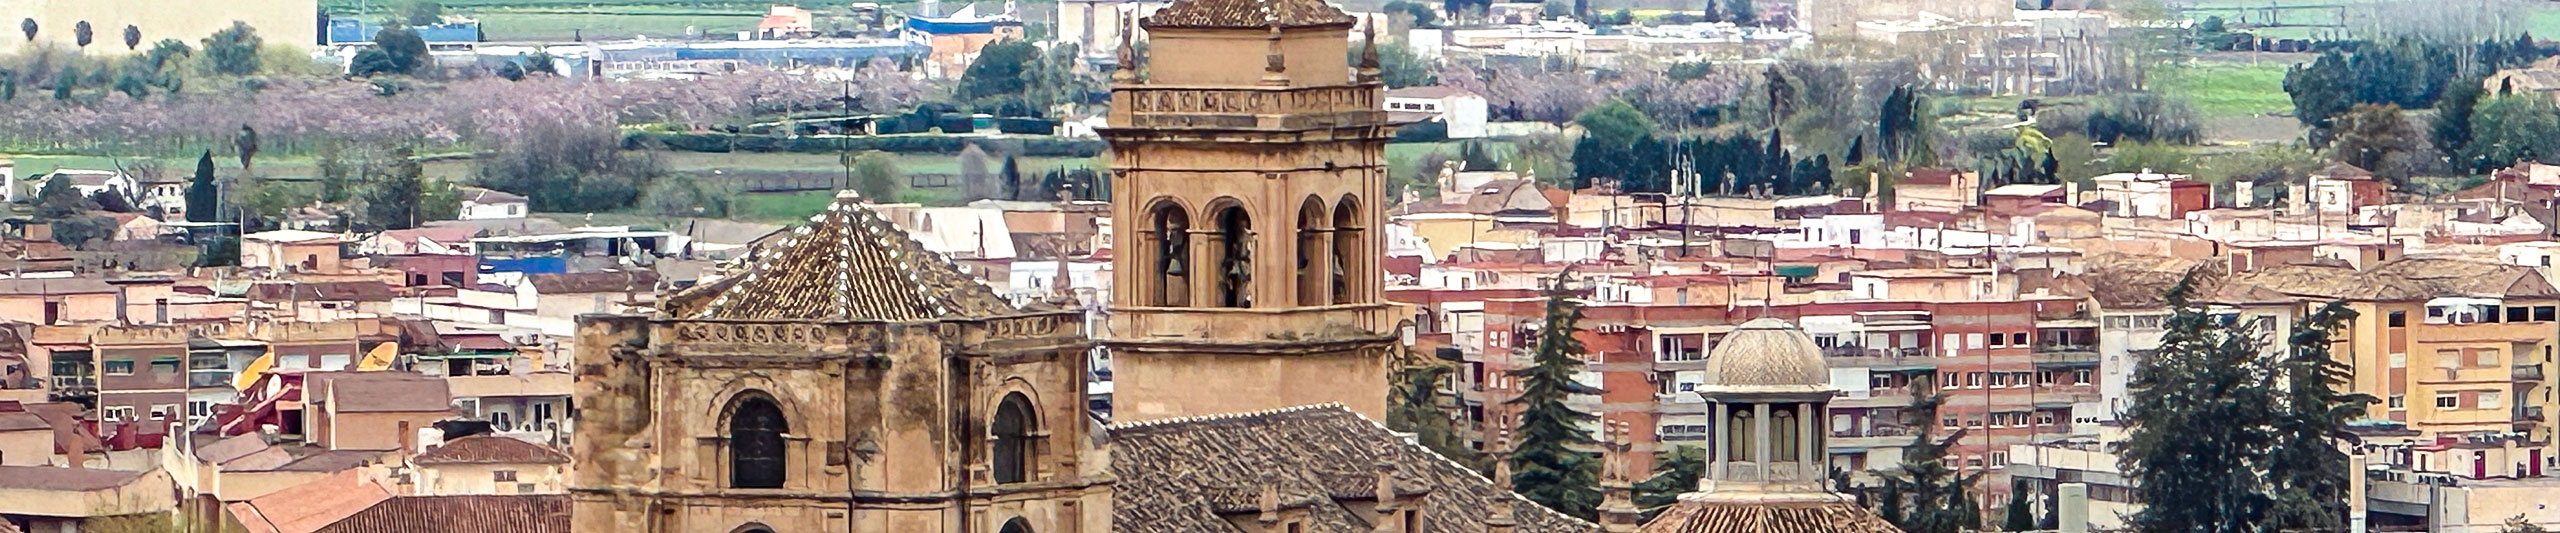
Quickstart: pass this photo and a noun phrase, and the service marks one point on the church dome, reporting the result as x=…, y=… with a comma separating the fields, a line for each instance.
x=1766, y=355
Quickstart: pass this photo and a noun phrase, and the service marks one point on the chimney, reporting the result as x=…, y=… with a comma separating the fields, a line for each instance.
x=1270, y=506
x=2073, y=511
x=1386, y=521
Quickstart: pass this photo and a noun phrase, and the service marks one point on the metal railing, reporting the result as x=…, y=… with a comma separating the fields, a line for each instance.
x=2533, y=372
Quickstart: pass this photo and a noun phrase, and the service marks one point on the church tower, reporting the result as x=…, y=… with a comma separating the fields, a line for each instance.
x=1250, y=165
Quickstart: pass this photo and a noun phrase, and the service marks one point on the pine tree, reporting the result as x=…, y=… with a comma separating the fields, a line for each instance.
x=204, y=201
x=2306, y=468
x=2202, y=414
x=1925, y=495
x=392, y=201
x=1674, y=473
x=1547, y=465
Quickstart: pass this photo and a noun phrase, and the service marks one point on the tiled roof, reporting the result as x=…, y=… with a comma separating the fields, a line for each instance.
x=1248, y=14
x=593, y=282
x=849, y=263
x=333, y=460
x=1185, y=475
x=490, y=196
x=51, y=478
x=521, y=513
x=490, y=449
x=313, y=506
x=313, y=291
x=2406, y=279
x=1723, y=517
x=23, y=421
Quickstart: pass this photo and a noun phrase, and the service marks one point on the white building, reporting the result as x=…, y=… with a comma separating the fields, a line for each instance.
x=1094, y=26
x=1464, y=112
x=485, y=204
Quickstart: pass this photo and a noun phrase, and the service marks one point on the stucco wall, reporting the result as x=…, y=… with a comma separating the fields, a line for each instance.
x=26, y=448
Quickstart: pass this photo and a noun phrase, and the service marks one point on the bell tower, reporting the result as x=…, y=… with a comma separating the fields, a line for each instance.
x=1249, y=167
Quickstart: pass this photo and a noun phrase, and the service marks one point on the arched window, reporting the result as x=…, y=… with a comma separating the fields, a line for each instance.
x=1783, y=432
x=1012, y=426
x=1348, y=248
x=1738, y=437
x=1172, y=282
x=1315, y=269
x=1016, y=525
x=1235, y=256
x=756, y=449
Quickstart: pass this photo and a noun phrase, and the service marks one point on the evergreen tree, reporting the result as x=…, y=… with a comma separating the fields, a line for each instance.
x=2201, y=415
x=392, y=200
x=2452, y=124
x=2306, y=467
x=1547, y=464
x=1417, y=410
x=57, y=200
x=2018, y=518
x=1925, y=494
x=204, y=201
x=1674, y=473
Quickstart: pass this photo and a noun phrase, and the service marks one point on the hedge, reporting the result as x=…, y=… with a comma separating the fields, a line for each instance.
x=940, y=144
x=957, y=123
x=1027, y=126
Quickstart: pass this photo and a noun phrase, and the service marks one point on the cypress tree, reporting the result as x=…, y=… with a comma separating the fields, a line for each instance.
x=203, y=200
x=2018, y=519
x=1548, y=465
x=2306, y=468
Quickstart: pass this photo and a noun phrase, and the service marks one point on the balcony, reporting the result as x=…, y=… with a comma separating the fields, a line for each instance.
x=1853, y=356
x=2066, y=354
x=201, y=380
x=2529, y=414
x=2529, y=372
x=1876, y=398
x=1881, y=437
x=75, y=385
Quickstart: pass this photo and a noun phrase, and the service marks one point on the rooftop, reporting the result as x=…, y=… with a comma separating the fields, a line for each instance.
x=490, y=449
x=849, y=263
x=1248, y=14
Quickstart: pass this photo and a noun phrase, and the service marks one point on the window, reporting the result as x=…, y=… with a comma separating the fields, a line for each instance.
x=119, y=413
x=159, y=413
x=2399, y=360
x=118, y=367
x=1947, y=380
x=2400, y=319
x=2399, y=402
x=1012, y=428
x=2080, y=377
x=2542, y=313
x=2018, y=339
x=2448, y=401
x=1999, y=459
x=1973, y=380
x=1999, y=379
x=503, y=476
x=2044, y=377
x=1973, y=341
x=1999, y=340
x=756, y=448
x=2044, y=418
x=2484, y=357
x=2491, y=399
x=1950, y=422
x=2519, y=314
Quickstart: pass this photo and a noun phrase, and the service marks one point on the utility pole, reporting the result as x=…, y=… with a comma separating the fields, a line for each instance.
x=844, y=138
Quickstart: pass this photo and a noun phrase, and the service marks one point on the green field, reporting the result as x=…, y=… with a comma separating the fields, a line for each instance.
x=2228, y=89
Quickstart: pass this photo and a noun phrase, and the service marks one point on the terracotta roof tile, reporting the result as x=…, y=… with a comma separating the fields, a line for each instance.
x=490, y=449
x=310, y=507
x=849, y=263
x=1248, y=14
x=1718, y=517
x=2406, y=279
x=523, y=513
x=1186, y=474
x=593, y=282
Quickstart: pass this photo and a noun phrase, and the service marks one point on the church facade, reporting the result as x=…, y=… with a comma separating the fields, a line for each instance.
x=842, y=380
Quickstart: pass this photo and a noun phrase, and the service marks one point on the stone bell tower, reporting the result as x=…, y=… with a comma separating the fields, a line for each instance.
x=1250, y=165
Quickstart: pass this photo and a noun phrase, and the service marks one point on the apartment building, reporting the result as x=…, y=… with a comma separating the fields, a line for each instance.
x=2455, y=348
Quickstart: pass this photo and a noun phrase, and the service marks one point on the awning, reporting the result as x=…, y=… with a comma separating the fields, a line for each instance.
x=1798, y=271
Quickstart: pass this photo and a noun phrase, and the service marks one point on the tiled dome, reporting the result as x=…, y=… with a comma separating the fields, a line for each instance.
x=1766, y=355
